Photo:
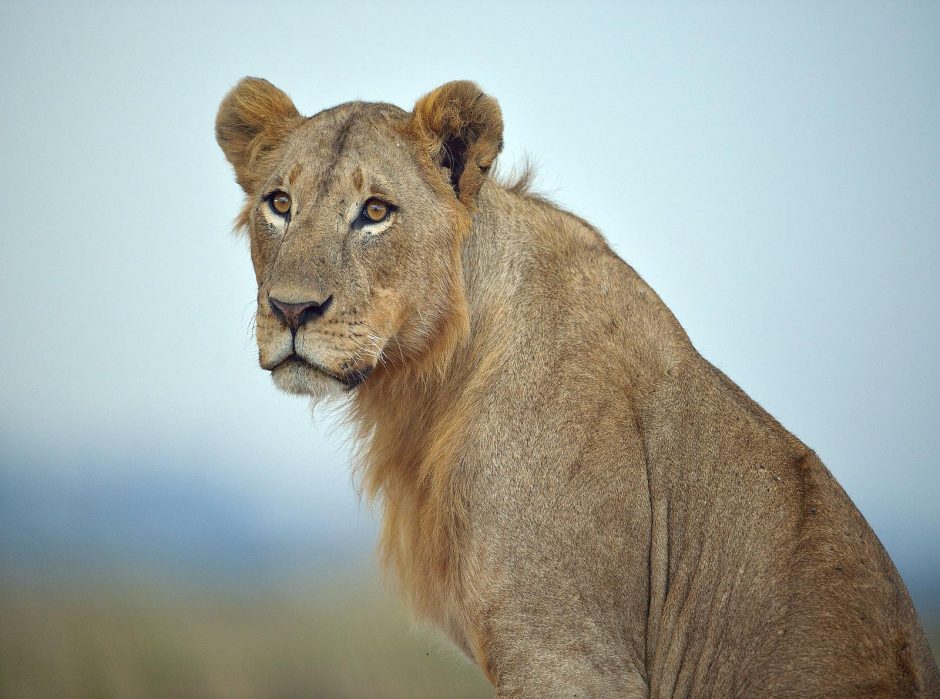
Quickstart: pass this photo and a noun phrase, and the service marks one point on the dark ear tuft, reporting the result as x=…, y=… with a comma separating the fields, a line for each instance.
x=462, y=131
x=253, y=119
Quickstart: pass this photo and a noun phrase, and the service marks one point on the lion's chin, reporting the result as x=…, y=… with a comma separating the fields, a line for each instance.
x=301, y=379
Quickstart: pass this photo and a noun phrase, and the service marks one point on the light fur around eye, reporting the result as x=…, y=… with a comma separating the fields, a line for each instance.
x=374, y=216
x=280, y=202
x=274, y=219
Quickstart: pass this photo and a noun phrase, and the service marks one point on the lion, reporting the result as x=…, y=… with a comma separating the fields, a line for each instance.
x=583, y=504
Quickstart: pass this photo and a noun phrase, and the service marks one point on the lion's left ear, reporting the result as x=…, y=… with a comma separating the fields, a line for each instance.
x=462, y=130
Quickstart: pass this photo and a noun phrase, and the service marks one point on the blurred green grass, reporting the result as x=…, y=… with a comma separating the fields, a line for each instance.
x=145, y=636
x=134, y=638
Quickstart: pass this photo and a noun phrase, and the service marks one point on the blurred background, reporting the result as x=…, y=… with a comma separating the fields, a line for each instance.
x=171, y=526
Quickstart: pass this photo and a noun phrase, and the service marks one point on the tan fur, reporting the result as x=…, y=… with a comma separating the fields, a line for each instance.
x=577, y=498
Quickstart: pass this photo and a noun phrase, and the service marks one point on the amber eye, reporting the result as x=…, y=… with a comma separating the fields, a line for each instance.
x=280, y=202
x=376, y=210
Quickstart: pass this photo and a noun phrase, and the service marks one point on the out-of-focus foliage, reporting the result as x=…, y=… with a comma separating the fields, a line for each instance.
x=135, y=638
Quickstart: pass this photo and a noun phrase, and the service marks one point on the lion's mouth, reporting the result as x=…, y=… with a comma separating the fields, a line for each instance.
x=350, y=380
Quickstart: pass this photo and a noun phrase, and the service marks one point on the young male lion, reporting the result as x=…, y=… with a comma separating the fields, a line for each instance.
x=581, y=502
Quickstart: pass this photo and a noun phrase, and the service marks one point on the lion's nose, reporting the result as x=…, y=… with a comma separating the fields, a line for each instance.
x=295, y=315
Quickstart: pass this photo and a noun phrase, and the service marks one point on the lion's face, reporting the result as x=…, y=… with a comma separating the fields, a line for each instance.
x=351, y=249
x=355, y=225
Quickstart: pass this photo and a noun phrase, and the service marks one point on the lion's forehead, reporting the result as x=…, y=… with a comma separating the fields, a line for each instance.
x=367, y=138
x=352, y=129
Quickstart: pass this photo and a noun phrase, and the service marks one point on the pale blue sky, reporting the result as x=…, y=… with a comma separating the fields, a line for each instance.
x=772, y=169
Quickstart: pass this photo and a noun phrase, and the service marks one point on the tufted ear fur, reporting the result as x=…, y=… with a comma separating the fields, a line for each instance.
x=253, y=119
x=462, y=130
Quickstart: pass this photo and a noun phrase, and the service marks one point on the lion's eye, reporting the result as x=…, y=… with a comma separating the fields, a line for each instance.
x=376, y=211
x=280, y=202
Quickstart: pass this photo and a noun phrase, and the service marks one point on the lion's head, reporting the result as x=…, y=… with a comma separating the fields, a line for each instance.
x=356, y=217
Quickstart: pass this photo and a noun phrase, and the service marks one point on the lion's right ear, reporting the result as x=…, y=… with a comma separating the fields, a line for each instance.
x=253, y=119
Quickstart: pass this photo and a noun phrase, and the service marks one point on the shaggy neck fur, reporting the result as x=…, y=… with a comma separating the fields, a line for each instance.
x=410, y=419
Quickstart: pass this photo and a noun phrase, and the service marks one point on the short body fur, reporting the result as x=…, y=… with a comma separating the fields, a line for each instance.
x=582, y=503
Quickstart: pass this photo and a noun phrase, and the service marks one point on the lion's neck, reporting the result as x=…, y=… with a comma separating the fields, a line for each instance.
x=414, y=423
x=411, y=424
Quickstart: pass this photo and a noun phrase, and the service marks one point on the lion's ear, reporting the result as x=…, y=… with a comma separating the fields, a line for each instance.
x=253, y=119
x=462, y=130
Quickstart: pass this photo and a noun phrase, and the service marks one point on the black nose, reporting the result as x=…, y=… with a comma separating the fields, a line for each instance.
x=294, y=315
